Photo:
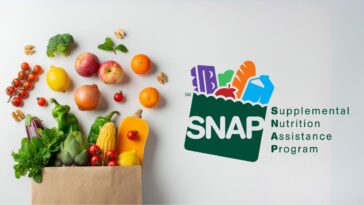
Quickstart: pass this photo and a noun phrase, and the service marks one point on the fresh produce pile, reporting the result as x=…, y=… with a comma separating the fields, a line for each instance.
x=65, y=145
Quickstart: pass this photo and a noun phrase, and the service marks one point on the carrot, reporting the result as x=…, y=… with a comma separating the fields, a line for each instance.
x=247, y=70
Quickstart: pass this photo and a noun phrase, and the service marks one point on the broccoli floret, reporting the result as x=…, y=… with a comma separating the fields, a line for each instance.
x=60, y=44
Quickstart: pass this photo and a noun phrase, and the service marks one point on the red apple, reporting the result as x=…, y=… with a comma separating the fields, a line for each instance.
x=227, y=92
x=111, y=72
x=87, y=64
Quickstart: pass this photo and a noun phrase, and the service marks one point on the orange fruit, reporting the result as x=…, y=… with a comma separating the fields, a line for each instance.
x=149, y=97
x=141, y=64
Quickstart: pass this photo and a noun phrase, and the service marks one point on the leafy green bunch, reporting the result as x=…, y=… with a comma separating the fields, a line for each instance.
x=35, y=154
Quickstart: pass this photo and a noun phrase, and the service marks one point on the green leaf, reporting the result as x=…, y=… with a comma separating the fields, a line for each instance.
x=37, y=142
x=46, y=154
x=18, y=174
x=40, y=131
x=121, y=48
x=26, y=147
x=105, y=47
x=108, y=42
x=38, y=177
x=28, y=119
x=16, y=156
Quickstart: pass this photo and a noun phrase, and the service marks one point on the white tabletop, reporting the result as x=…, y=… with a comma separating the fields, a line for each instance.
x=313, y=52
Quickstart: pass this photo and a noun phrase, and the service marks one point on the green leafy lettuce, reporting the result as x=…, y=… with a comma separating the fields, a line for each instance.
x=35, y=154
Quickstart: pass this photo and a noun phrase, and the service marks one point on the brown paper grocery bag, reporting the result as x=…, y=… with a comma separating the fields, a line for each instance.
x=89, y=185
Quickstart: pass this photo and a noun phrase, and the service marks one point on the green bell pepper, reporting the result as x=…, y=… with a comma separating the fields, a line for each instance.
x=67, y=122
x=96, y=126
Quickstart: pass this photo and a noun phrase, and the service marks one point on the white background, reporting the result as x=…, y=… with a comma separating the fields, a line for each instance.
x=312, y=50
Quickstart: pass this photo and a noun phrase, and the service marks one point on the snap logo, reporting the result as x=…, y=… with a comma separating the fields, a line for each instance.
x=228, y=111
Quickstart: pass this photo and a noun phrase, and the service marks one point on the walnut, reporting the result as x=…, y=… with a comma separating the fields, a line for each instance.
x=29, y=49
x=18, y=115
x=162, y=78
x=120, y=34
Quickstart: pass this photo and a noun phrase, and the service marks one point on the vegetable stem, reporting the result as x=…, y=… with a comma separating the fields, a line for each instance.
x=52, y=100
x=138, y=113
x=109, y=116
x=11, y=96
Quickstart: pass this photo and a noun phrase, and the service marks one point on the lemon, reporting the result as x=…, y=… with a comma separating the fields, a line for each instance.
x=128, y=158
x=57, y=79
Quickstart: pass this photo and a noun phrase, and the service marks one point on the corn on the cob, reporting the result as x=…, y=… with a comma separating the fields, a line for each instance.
x=107, y=137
